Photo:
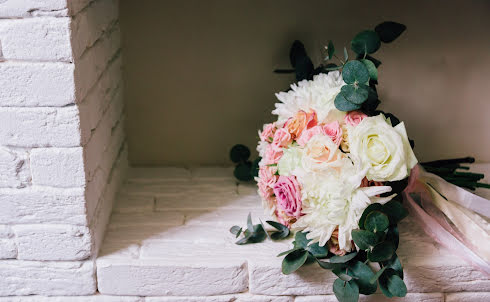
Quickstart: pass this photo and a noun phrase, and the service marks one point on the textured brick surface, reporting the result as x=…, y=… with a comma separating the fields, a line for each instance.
x=29, y=8
x=14, y=168
x=57, y=167
x=410, y=297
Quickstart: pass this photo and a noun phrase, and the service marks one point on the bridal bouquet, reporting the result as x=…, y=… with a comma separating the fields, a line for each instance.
x=334, y=169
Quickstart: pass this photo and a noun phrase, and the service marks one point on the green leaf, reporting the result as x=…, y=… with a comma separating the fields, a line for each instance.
x=330, y=49
x=289, y=251
x=236, y=230
x=373, y=72
x=395, y=264
x=388, y=31
x=356, y=94
x=376, y=222
x=369, y=209
x=377, y=275
x=258, y=235
x=381, y=252
x=332, y=67
x=346, y=55
x=283, y=231
x=364, y=275
x=364, y=239
x=300, y=240
x=393, y=235
x=255, y=167
x=239, y=153
x=346, y=291
x=391, y=284
x=395, y=211
x=365, y=42
x=243, y=171
x=293, y=261
x=342, y=104
x=331, y=266
x=250, y=226
x=355, y=72
x=343, y=259
x=317, y=251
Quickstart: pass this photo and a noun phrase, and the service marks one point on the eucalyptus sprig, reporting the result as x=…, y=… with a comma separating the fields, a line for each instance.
x=256, y=233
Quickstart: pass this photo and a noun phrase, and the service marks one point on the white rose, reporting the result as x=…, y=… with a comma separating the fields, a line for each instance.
x=290, y=161
x=383, y=149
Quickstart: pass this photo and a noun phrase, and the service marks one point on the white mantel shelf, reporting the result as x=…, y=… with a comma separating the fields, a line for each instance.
x=168, y=237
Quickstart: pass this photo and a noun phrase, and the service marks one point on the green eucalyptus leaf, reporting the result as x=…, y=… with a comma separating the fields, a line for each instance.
x=375, y=61
x=356, y=94
x=239, y=153
x=355, y=72
x=243, y=171
x=317, y=251
x=377, y=275
x=346, y=291
x=259, y=234
x=343, y=259
x=364, y=239
x=395, y=264
x=342, y=104
x=364, y=275
x=369, y=209
x=388, y=31
x=393, y=235
x=250, y=226
x=330, y=49
x=376, y=221
x=395, y=211
x=332, y=67
x=300, y=240
x=382, y=251
x=289, y=251
x=293, y=261
x=396, y=286
x=255, y=167
x=373, y=72
x=331, y=266
x=343, y=276
x=346, y=55
x=283, y=231
x=236, y=230
x=365, y=42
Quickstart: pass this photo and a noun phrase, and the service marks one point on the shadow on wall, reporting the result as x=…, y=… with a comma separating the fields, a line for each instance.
x=198, y=75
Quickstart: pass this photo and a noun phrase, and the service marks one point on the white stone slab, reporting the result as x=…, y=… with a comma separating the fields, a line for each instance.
x=29, y=8
x=14, y=168
x=146, y=219
x=133, y=204
x=58, y=167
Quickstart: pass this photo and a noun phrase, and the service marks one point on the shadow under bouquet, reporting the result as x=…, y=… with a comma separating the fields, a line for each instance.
x=335, y=170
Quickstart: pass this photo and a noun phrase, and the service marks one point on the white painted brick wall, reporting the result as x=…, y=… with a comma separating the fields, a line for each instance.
x=36, y=39
x=57, y=167
x=8, y=248
x=29, y=8
x=14, y=168
x=31, y=84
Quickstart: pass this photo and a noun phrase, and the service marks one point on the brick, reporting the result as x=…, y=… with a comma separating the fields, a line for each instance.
x=207, y=173
x=127, y=204
x=225, y=218
x=28, y=8
x=91, y=65
x=247, y=189
x=158, y=175
x=201, y=277
x=8, y=249
x=468, y=297
x=227, y=298
x=146, y=219
x=57, y=167
x=97, y=101
x=90, y=24
x=29, y=84
x=74, y=7
x=94, y=298
x=36, y=39
x=42, y=205
x=39, y=127
x=206, y=200
x=52, y=242
x=18, y=277
x=14, y=168
x=410, y=297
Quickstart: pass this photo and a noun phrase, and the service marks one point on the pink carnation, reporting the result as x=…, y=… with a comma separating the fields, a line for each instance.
x=288, y=195
x=268, y=132
x=353, y=118
x=272, y=155
x=308, y=134
x=282, y=138
x=334, y=131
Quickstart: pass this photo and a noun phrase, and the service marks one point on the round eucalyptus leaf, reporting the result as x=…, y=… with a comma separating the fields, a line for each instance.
x=293, y=261
x=236, y=230
x=365, y=42
x=330, y=49
x=283, y=231
x=369, y=209
x=346, y=291
x=373, y=72
x=393, y=235
x=364, y=275
x=388, y=31
x=343, y=259
x=395, y=264
x=376, y=222
x=395, y=211
x=355, y=71
x=239, y=153
x=255, y=167
x=317, y=251
x=242, y=172
x=364, y=239
x=342, y=104
x=356, y=94
x=396, y=286
x=381, y=252
x=300, y=240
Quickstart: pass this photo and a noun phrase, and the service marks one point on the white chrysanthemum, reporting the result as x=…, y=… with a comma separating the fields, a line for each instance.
x=331, y=201
x=318, y=95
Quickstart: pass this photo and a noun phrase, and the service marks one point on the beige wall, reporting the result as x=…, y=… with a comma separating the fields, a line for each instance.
x=198, y=74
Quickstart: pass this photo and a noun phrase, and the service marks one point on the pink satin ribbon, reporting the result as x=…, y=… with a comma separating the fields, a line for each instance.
x=433, y=221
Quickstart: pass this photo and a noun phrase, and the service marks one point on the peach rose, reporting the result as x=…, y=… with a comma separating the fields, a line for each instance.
x=334, y=131
x=284, y=219
x=333, y=244
x=267, y=132
x=308, y=134
x=300, y=122
x=353, y=118
x=282, y=138
x=370, y=183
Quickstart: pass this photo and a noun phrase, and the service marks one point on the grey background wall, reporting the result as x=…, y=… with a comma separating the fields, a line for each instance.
x=198, y=74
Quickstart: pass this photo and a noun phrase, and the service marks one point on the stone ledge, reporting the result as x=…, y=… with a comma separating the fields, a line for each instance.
x=159, y=244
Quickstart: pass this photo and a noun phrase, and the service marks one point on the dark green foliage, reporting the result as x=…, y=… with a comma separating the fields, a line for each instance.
x=388, y=31
x=282, y=230
x=365, y=42
x=346, y=291
x=239, y=153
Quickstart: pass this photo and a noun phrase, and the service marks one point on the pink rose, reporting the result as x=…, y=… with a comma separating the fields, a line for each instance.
x=308, y=134
x=282, y=218
x=353, y=118
x=267, y=175
x=268, y=132
x=272, y=155
x=282, y=138
x=288, y=195
x=334, y=131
